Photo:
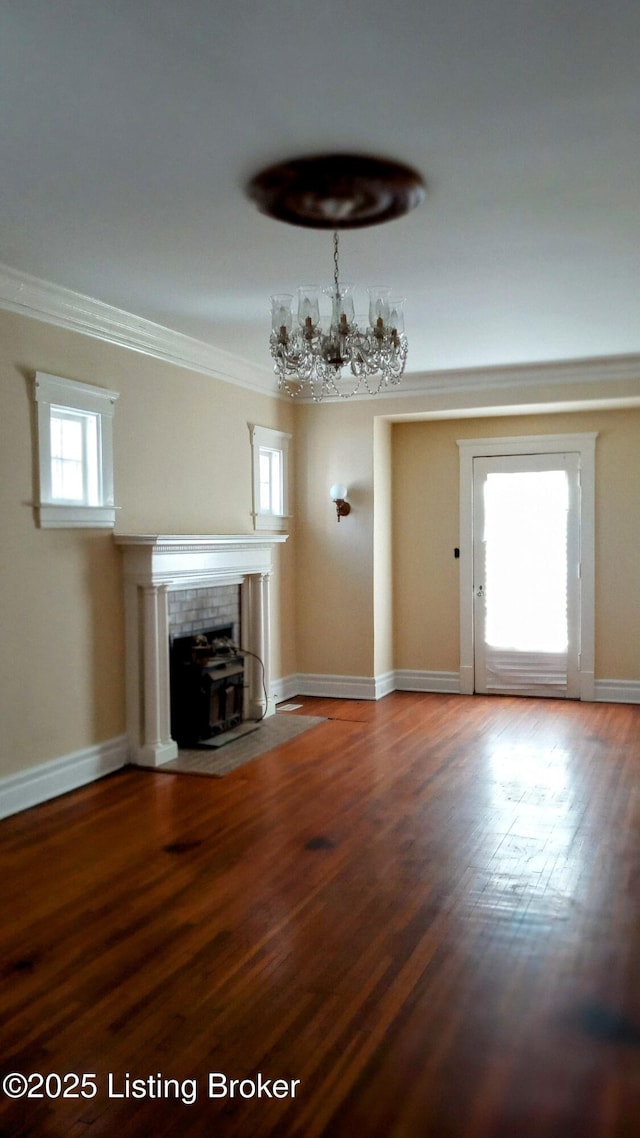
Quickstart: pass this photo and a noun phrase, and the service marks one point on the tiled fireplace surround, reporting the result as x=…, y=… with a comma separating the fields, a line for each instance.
x=174, y=585
x=214, y=606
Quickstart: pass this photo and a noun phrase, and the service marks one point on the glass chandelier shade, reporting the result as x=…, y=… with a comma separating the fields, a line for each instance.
x=345, y=355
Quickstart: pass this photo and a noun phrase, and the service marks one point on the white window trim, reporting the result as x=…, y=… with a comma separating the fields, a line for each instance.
x=272, y=440
x=52, y=391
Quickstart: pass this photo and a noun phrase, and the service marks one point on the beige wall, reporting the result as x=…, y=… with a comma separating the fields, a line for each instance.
x=334, y=560
x=425, y=533
x=182, y=465
x=426, y=596
x=342, y=570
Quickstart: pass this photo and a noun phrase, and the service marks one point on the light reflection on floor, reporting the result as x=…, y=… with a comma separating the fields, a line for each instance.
x=532, y=877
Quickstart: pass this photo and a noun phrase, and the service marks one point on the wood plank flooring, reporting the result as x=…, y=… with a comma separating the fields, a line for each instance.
x=426, y=909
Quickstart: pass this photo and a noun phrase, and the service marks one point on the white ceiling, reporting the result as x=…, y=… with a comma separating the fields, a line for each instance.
x=129, y=130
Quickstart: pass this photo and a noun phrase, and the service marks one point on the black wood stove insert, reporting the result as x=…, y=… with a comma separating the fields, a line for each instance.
x=207, y=685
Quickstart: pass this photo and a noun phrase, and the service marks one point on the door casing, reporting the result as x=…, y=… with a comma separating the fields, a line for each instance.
x=584, y=445
x=530, y=673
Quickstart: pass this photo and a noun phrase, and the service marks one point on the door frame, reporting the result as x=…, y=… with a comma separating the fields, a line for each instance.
x=566, y=464
x=584, y=445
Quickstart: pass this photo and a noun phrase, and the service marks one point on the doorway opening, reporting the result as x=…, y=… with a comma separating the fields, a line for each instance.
x=526, y=555
x=527, y=565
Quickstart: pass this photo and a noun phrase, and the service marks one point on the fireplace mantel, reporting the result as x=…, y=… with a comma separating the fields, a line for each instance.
x=156, y=564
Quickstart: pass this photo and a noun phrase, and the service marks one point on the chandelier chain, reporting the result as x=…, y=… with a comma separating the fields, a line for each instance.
x=335, y=264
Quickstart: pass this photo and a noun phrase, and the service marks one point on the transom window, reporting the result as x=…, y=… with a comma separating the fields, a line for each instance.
x=75, y=453
x=270, y=451
x=74, y=456
x=270, y=480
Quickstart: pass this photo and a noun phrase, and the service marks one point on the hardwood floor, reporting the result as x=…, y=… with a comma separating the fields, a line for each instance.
x=426, y=909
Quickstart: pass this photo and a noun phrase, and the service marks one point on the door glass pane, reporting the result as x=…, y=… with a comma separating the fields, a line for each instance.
x=526, y=560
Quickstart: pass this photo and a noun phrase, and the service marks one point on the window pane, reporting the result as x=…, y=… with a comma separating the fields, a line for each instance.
x=66, y=480
x=68, y=449
x=72, y=439
x=276, y=482
x=265, y=481
x=526, y=560
x=56, y=437
x=93, y=460
x=270, y=480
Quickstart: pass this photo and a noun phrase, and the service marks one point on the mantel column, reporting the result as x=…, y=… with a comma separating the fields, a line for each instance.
x=156, y=744
x=256, y=599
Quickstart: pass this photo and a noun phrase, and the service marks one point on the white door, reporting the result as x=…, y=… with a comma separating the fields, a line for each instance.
x=526, y=574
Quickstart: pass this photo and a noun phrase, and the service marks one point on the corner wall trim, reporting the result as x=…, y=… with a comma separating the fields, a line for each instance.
x=385, y=684
x=285, y=688
x=48, y=780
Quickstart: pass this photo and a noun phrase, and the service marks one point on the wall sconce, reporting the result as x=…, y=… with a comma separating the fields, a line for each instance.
x=338, y=495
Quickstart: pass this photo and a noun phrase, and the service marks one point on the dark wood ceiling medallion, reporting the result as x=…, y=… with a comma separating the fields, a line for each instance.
x=337, y=191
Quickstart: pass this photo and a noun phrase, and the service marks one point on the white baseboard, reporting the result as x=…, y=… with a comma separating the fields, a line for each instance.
x=338, y=687
x=384, y=684
x=48, y=780
x=406, y=679
x=605, y=691
x=617, y=691
x=285, y=688
x=364, y=687
x=331, y=687
x=413, y=680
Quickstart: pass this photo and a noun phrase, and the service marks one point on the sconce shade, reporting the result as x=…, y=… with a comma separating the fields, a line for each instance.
x=338, y=493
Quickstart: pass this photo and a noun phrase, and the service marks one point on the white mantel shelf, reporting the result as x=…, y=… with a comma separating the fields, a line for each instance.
x=198, y=540
x=156, y=564
x=180, y=559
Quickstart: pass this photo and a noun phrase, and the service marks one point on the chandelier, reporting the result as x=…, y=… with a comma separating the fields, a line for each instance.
x=311, y=359
x=345, y=354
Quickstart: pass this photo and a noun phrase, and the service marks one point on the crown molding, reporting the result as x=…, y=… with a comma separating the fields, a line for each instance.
x=601, y=369
x=42, y=300
x=556, y=373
